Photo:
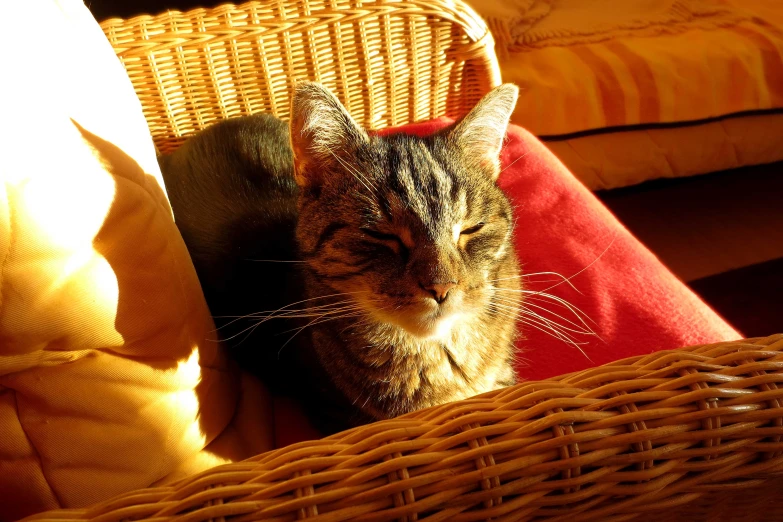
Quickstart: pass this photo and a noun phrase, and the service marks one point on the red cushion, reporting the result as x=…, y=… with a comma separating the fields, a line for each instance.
x=634, y=303
x=638, y=306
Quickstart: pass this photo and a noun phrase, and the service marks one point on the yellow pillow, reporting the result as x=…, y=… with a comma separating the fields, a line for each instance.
x=106, y=356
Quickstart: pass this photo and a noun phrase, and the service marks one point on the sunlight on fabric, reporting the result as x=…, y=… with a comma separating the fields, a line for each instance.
x=185, y=403
x=65, y=228
x=67, y=222
x=60, y=201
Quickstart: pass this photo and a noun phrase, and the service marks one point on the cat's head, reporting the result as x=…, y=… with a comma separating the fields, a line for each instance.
x=414, y=229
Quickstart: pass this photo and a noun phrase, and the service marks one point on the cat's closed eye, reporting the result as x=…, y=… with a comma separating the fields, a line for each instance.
x=472, y=230
x=392, y=240
x=380, y=236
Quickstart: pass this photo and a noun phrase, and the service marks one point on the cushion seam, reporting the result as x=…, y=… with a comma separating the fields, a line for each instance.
x=631, y=127
x=597, y=172
x=735, y=151
x=8, y=251
x=37, y=453
x=665, y=151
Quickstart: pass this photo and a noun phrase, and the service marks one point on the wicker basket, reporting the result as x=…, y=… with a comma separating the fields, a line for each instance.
x=691, y=434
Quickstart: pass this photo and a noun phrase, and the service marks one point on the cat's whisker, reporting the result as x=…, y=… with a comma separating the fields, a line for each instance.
x=249, y=333
x=582, y=329
x=512, y=163
x=319, y=308
x=578, y=312
x=535, y=293
x=542, y=299
x=333, y=313
x=323, y=319
x=545, y=321
x=356, y=310
x=359, y=176
x=533, y=274
x=320, y=313
x=542, y=327
x=503, y=312
x=537, y=299
x=557, y=334
x=498, y=313
x=251, y=327
x=312, y=323
x=310, y=316
x=345, y=311
x=286, y=313
x=505, y=278
x=561, y=279
x=544, y=324
x=365, y=321
x=594, y=261
x=285, y=307
x=554, y=324
x=369, y=396
x=561, y=338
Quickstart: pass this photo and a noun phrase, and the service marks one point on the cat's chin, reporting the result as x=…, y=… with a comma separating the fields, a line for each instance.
x=439, y=328
x=422, y=318
x=427, y=326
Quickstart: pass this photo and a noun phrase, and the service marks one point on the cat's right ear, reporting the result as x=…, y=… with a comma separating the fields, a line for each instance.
x=479, y=135
x=322, y=132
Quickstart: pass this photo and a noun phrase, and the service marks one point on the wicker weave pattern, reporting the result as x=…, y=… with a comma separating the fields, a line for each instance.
x=391, y=62
x=644, y=434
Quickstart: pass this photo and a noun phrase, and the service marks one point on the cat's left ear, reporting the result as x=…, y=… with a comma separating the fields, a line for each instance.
x=479, y=135
x=323, y=134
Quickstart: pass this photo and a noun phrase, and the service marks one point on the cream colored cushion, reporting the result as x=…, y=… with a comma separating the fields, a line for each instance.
x=109, y=379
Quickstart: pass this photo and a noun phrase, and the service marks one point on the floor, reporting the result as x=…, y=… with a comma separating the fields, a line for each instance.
x=721, y=233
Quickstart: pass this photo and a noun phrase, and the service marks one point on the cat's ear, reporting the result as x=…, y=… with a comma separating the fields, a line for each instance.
x=479, y=135
x=322, y=132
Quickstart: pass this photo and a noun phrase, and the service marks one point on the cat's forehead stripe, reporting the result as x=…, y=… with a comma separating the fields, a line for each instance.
x=428, y=189
x=462, y=203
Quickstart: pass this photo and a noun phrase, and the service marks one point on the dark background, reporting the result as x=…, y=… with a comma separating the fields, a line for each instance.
x=103, y=9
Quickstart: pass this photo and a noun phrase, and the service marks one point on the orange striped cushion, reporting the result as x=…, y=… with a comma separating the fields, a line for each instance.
x=604, y=64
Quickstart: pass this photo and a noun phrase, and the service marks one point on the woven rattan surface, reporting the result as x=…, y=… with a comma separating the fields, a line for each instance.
x=646, y=438
x=391, y=62
x=759, y=502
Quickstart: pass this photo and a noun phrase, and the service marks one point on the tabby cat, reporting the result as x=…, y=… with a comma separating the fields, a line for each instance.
x=377, y=273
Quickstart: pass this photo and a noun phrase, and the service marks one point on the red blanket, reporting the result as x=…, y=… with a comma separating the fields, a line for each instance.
x=572, y=248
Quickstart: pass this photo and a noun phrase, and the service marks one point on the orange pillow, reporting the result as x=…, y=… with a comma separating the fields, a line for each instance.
x=628, y=91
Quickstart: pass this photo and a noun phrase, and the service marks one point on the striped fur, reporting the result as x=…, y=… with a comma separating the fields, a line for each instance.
x=383, y=225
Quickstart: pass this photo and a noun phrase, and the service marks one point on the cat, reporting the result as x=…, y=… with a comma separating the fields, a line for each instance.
x=378, y=272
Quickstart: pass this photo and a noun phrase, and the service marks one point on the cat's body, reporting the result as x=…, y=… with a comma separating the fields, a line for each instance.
x=386, y=260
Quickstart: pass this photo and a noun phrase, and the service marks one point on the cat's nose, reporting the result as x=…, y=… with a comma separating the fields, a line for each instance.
x=440, y=291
